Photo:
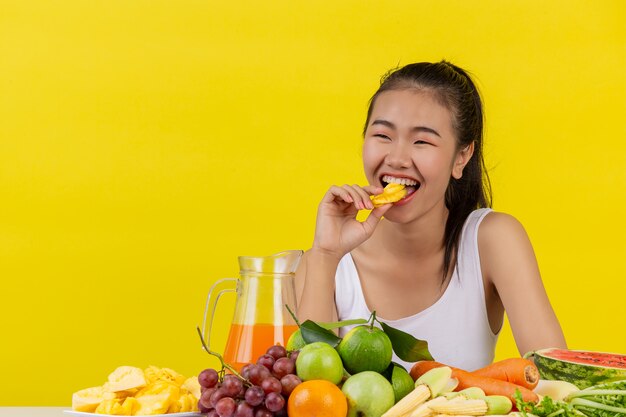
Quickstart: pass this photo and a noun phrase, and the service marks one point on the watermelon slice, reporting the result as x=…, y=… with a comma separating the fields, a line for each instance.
x=581, y=368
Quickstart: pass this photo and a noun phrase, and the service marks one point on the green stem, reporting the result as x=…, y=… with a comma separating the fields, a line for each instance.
x=593, y=404
x=221, y=359
x=292, y=315
x=585, y=393
x=556, y=413
x=373, y=319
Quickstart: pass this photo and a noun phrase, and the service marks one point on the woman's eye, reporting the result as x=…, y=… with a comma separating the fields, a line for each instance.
x=420, y=142
x=380, y=135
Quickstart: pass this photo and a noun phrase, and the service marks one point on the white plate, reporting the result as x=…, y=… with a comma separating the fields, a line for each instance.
x=187, y=414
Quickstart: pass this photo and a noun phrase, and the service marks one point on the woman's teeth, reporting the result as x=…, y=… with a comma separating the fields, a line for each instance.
x=404, y=181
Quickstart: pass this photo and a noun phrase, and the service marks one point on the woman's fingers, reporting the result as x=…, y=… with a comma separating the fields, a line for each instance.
x=360, y=197
x=373, y=189
x=337, y=192
x=374, y=217
x=353, y=194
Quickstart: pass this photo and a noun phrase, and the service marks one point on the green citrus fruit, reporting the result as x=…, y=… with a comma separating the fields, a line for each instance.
x=319, y=360
x=369, y=394
x=365, y=348
x=295, y=341
x=401, y=382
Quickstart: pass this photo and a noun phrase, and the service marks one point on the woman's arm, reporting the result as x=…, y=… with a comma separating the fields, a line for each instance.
x=337, y=232
x=315, y=278
x=508, y=262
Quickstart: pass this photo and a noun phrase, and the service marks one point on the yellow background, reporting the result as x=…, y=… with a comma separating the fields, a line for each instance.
x=144, y=145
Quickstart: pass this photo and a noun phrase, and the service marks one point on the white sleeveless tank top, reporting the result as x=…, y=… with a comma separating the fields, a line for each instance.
x=456, y=326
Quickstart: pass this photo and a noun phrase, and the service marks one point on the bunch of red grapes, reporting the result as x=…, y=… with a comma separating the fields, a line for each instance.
x=262, y=392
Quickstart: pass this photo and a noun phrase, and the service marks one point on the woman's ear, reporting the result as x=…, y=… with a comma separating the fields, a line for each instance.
x=462, y=158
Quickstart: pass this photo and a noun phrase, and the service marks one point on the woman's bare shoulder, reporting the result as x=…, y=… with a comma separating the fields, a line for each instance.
x=496, y=221
x=503, y=243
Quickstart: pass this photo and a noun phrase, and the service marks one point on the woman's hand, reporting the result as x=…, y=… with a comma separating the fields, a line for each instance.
x=337, y=230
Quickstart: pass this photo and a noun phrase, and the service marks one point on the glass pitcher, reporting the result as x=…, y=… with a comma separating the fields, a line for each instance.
x=264, y=287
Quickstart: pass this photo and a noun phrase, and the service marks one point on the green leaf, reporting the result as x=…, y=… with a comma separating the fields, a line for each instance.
x=406, y=346
x=313, y=332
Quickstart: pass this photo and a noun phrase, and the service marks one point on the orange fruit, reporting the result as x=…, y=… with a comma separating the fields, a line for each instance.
x=319, y=398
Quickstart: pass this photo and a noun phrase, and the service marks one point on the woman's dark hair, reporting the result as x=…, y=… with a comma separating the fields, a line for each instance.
x=455, y=90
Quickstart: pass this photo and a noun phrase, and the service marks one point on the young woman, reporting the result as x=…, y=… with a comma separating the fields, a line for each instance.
x=441, y=265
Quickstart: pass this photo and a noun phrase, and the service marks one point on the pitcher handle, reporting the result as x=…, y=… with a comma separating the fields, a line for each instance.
x=206, y=335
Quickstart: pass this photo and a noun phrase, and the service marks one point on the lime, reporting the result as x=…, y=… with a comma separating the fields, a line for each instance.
x=295, y=341
x=365, y=348
x=401, y=382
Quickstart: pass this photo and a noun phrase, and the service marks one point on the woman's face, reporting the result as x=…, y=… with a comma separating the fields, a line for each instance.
x=410, y=139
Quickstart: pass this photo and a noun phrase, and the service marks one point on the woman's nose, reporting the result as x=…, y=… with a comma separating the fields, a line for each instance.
x=398, y=156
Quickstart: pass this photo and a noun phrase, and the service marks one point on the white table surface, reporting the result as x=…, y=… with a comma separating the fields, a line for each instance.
x=33, y=411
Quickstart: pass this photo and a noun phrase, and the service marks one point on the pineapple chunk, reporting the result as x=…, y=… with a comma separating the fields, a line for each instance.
x=192, y=385
x=113, y=407
x=125, y=378
x=88, y=399
x=156, y=398
x=154, y=373
x=391, y=193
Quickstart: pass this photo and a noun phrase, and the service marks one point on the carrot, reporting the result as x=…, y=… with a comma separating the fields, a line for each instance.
x=467, y=379
x=519, y=371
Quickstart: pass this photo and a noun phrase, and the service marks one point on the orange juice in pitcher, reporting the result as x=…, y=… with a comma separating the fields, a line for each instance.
x=247, y=342
x=261, y=319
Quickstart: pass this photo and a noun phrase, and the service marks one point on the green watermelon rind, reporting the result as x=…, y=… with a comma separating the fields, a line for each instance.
x=581, y=375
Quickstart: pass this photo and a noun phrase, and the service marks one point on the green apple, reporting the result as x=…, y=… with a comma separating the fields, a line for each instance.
x=369, y=394
x=319, y=360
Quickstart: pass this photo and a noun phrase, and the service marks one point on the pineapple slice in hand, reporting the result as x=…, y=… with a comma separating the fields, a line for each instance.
x=391, y=193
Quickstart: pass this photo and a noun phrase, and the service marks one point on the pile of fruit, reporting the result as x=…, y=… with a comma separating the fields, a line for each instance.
x=131, y=391
x=305, y=381
x=355, y=377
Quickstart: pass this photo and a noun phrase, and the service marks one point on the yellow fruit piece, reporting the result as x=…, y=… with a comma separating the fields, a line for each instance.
x=156, y=398
x=192, y=385
x=113, y=407
x=391, y=193
x=130, y=406
x=154, y=373
x=108, y=395
x=88, y=399
x=125, y=378
x=188, y=402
